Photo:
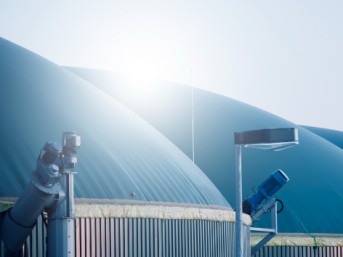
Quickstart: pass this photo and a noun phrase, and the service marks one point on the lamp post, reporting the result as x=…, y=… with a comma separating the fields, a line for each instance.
x=265, y=139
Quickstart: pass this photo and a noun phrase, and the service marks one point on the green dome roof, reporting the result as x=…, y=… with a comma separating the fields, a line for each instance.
x=121, y=157
x=333, y=136
x=314, y=195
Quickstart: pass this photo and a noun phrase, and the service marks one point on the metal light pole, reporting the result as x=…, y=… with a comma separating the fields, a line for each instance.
x=265, y=139
x=239, y=239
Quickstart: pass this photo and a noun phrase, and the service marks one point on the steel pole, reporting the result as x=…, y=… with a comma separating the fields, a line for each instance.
x=61, y=223
x=239, y=241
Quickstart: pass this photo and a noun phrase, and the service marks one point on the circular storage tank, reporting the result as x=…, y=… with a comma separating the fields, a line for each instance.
x=312, y=197
x=137, y=193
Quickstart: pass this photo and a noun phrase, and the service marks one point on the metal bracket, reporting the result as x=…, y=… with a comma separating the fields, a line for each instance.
x=271, y=231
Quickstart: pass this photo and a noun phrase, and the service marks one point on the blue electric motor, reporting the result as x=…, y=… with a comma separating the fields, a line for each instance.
x=265, y=191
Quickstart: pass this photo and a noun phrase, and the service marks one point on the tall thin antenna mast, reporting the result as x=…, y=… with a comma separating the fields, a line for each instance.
x=193, y=151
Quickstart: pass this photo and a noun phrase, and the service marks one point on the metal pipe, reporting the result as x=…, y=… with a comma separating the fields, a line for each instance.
x=51, y=181
x=42, y=192
x=61, y=223
x=239, y=238
x=70, y=194
x=19, y=221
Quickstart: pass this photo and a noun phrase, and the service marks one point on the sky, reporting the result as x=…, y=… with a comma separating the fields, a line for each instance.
x=285, y=57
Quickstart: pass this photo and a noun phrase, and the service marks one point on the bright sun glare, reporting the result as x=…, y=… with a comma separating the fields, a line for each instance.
x=143, y=61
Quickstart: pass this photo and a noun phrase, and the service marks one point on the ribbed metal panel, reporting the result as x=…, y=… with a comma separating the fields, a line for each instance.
x=36, y=242
x=300, y=251
x=128, y=237
x=143, y=237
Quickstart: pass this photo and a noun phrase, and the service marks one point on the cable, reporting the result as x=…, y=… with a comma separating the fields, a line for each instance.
x=282, y=205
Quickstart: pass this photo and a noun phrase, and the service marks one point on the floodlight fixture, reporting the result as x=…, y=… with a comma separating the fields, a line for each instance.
x=265, y=139
x=268, y=139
